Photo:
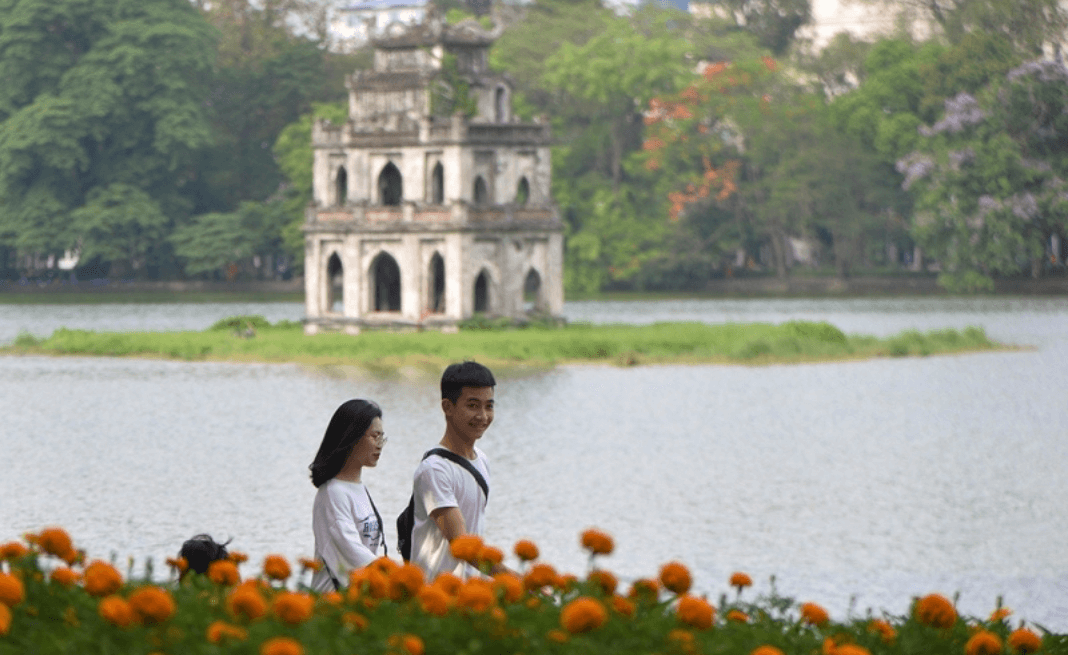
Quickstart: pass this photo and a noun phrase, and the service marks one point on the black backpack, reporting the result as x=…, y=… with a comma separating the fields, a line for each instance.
x=406, y=520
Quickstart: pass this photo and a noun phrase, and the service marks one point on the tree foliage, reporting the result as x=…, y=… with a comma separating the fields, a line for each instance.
x=100, y=105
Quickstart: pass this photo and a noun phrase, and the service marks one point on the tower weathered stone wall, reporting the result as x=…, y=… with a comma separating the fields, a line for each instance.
x=423, y=216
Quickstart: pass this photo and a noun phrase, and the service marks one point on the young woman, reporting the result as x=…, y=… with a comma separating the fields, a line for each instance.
x=347, y=526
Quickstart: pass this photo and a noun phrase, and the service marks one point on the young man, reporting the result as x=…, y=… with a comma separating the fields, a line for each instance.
x=448, y=499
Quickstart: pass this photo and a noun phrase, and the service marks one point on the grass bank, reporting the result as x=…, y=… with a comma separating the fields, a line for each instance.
x=626, y=345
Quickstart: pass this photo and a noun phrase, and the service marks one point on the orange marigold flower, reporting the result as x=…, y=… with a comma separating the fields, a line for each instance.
x=477, y=594
x=566, y=582
x=539, y=576
x=814, y=614
x=293, y=607
x=604, y=581
x=55, y=541
x=65, y=576
x=983, y=642
x=13, y=550
x=153, y=604
x=766, y=650
x=307, y=563
x=247, y=601
x=695, y=612
x=582, y=615
x=179, y=564
x=675, y=577
x=276, y=567
x=281, y=646
x=410, y=644
x=510, y=586
x=115, y=610
x=11, y=590
x=741, y=580
x=935, y=610
x=1024, y=641
x=332, y=598
x=652, y=164
x=622, y=605
x=433, y=600
x=737, y=616
x=683, y=637
x=851, y=649
x=223, y=572
x=450, y=583
x=691, y=94
x=884, y=629
x=466, y=548
x=220, y=631
x=490, y=555
x=1000, y=613
x=712, y=70
x=405, y=582
x=356, y=621
x=384, y=565
x=369, y=579
x=526, y=550
x=769, y=63
x=559, y=636
x=101, y=578
x=5, y=619
x=645, y=589
x=237, y=557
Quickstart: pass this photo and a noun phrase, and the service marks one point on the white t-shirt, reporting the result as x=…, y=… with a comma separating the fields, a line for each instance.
x=347, y=532
x=439, y=482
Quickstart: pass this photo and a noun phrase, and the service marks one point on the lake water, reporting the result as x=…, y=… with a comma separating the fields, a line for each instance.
x=857, y=484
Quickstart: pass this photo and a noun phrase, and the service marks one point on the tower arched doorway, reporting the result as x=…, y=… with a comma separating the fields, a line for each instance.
x=482, y=293
x=390, y=185
x=335, y=285
x=532, y=296
x=386, y=283
x=436, y=285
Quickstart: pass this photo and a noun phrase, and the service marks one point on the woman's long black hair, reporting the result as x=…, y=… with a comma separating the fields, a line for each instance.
x=347, y=426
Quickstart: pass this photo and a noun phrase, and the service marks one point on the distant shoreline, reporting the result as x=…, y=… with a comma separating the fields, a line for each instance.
x=801, y=286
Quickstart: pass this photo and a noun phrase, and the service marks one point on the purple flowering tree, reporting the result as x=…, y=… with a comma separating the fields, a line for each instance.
x=990, y=178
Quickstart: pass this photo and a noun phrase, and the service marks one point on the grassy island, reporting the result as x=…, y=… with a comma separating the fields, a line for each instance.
x=538, y=345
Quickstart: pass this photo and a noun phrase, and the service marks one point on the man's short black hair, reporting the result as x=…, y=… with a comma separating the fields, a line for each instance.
x=464, y=374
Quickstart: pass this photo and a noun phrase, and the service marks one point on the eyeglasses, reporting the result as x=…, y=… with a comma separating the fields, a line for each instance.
x=380, y=439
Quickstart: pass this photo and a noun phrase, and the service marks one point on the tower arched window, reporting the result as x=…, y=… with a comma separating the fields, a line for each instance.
x=500, y=105
x=532, y=296
x=390, y=185
x=481, y=191
x=437, y=185
x=342, y=186
x=522, y=192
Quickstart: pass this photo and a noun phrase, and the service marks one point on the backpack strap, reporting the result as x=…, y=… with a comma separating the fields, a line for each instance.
x=381, y=525
x=464, y=462
x=333, y=578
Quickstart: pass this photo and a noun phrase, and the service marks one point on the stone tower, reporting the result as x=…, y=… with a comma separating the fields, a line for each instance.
x=432, y=202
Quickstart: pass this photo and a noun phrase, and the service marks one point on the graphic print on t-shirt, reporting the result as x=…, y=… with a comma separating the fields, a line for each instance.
x=371, y=531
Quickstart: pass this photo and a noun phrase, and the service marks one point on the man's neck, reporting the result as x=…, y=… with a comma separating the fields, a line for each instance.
x=458, y=445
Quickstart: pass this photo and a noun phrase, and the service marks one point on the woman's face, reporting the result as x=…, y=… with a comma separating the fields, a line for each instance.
x=369, y=448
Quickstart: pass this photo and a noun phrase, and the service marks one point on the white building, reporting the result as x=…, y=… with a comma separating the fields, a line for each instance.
x=355, y=25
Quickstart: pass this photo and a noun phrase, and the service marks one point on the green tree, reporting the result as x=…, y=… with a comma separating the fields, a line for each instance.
x=101, y=101
x=772, y=22
x=293, y=152
x=248, y=240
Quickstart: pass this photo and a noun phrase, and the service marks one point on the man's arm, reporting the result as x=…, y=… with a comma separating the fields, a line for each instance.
x=450, y=521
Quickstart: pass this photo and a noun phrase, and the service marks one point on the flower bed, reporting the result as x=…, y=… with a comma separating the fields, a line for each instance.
x=52, y=601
